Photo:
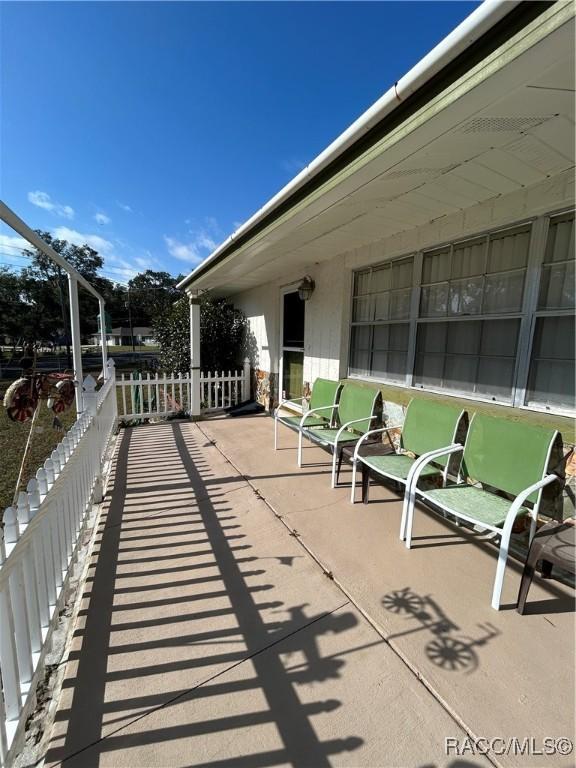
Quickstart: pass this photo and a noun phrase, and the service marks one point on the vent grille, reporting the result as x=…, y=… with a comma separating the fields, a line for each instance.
x=499, y=124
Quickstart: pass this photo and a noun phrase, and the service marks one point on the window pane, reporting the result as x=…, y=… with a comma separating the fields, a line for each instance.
x=428, y=371
x=465, y=296
x=468, y=258
x=557, y=287
x=560, y=243
x=400, y=304
x=379, y=364
x=293, y=320
x=396, y=366
x=503, y=292
x=292, y=374
x=460, y=373
x=551, y=379
x=468, y=356
x=380, y=279
x=464, y=338
x=399, y=336
x=363, y=309
x=382, y=306
x=495, y=377
x=434, y=300
x=432, y=337
x=361, y=337
x=508, y=250
x=361, y=282
x=402, y=273
x=381, y=337
x=500, y=337
x=436, y=266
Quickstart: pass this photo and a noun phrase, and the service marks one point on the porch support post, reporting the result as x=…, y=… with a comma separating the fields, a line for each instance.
x=76, y=341
x=194, y=357
x=103, y=338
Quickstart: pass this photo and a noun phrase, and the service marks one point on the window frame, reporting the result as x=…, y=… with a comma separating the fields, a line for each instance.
x=527, y=315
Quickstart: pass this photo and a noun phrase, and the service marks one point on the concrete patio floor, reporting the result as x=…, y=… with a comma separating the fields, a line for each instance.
x=209, y=635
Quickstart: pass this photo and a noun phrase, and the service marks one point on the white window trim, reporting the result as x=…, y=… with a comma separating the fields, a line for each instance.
x=527, y=315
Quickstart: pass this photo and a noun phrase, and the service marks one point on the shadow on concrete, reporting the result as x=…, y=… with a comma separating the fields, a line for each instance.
x=101, y=723
x=450, y=652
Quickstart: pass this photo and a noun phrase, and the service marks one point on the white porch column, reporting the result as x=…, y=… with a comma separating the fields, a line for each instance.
x=76, y=341
x=195, y=356
x=103, y=338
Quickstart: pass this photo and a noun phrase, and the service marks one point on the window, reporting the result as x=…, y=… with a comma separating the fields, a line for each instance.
x=379, y=343
x=463, y=317
x=551, y=379
x=478, y=278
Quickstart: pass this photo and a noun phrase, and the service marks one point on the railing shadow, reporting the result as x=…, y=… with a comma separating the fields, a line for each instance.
x=124, y=695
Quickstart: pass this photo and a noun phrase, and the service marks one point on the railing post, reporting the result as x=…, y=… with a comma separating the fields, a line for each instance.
x=91, y=406
x=246, y=380
x=195, y=356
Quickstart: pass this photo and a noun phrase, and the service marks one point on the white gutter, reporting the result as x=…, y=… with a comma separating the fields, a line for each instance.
x=471, y=29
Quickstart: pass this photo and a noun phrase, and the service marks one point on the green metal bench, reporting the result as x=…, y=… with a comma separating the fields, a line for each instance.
x=359, y=407
x=323, y=399
x=428, y=427
x=499, y=455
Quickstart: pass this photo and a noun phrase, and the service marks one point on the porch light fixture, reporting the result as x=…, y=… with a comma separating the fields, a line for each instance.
x=306, y=288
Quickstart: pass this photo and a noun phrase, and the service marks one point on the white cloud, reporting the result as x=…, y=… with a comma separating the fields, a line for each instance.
x=13, y=243
x=104, y=247
x=101, y=218
x=125, y=207
x=195, y=250
x=43, y=200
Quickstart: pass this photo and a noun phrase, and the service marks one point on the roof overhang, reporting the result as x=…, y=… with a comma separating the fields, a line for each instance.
x=498, y=118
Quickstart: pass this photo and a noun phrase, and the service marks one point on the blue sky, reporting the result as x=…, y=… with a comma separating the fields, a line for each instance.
x=152, y=130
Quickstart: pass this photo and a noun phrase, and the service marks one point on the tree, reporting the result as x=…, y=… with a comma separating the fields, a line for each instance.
x=151, y=294
x=225, y=337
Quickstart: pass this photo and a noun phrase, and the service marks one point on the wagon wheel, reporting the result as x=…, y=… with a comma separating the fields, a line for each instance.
x=21, y=400
x=403, y=601
x=64, y=397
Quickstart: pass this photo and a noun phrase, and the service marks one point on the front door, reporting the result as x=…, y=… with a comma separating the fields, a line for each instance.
x=292, y=373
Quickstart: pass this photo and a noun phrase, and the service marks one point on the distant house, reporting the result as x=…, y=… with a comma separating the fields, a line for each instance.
x=122, y=336
x=433, y=241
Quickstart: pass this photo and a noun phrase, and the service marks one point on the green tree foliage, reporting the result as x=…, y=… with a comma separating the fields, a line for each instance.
x=225, y=338
x=152, y=294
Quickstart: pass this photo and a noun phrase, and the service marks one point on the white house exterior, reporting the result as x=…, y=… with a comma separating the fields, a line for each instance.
x=438, y=231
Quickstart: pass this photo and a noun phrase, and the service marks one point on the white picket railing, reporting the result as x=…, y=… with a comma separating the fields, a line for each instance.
x=38, y=549
x=160, y=395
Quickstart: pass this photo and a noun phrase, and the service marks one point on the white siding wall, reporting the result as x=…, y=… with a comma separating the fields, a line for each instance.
x=327, y=312
x=261, y=306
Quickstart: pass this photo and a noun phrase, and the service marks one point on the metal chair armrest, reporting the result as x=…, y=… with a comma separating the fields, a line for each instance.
x=316, y=410
x=418, y=466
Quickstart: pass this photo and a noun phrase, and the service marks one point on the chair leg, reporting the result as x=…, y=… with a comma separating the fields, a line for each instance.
x=334, y=460
x=340, y=457
x=365, y=484
x=527, y=576
x=299, y=449
x=275, y=434
x=408, y=523
x=501, y=568
x=353, y=491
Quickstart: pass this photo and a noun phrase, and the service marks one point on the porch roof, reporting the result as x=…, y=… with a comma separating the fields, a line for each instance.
x=497, y=116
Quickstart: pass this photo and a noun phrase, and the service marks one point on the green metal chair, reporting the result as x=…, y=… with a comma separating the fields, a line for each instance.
x=359, y=406
x=499, y=455
x=429, y=428
x=324, y=397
